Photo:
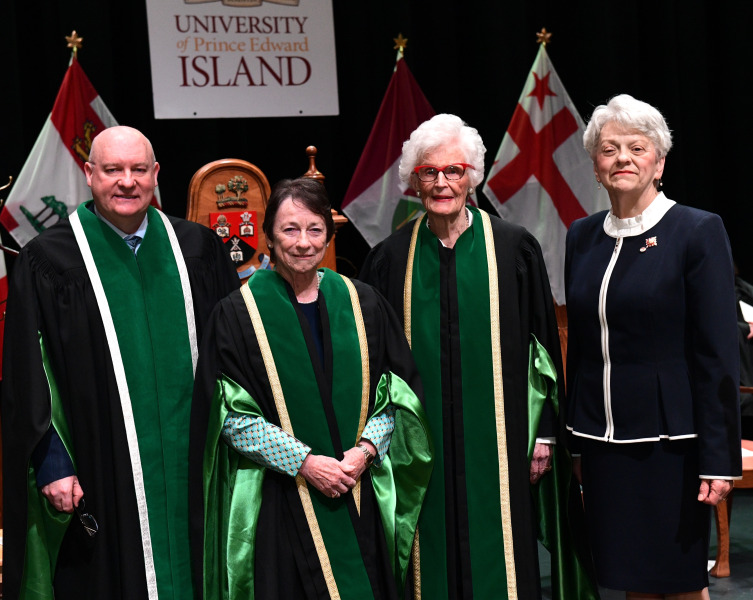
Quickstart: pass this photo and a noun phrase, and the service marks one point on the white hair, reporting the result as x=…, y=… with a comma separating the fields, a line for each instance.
x=631, y=114
x=444, y=131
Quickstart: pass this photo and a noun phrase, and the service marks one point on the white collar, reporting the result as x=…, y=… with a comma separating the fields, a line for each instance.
x=141, y=231
x=631, y=226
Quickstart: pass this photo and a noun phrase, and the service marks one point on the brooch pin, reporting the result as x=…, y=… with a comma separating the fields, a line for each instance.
x=650, y=243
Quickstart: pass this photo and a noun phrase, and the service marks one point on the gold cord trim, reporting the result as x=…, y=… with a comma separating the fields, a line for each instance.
x=408, y=287
x=407, y=300
x=365, y=376
x=282, y=411
x=499, y=409
x=416, y=554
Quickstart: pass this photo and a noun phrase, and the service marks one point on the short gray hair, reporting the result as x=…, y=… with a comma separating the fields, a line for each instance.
x=442, y=131
x=631, y=114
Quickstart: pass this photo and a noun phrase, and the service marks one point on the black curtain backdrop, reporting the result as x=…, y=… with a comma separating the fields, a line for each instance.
x=688, y=58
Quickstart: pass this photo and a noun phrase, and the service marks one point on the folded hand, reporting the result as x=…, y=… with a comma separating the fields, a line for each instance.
x=327, y=475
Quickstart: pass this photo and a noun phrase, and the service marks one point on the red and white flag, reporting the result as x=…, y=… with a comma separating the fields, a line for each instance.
x=52, y=182
x=376, y=202
x=542, y=178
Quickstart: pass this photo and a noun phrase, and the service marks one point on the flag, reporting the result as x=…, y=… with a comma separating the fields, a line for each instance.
x=376, y=202
x=52, y=182
x=542, y=177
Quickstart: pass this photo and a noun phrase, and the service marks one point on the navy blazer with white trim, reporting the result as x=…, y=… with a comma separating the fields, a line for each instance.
x=671, y=334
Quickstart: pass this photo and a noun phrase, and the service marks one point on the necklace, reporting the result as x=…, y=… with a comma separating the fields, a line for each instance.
x=467, y=221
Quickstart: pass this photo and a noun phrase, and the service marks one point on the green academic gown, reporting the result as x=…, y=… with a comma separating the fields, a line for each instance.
x=270, y=535
x=481, y=323
x=60, y=369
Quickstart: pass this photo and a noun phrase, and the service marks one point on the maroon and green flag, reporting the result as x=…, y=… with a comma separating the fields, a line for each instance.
x=376, y=202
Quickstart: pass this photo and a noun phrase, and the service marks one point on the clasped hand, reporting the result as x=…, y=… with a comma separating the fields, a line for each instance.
x=334, y=477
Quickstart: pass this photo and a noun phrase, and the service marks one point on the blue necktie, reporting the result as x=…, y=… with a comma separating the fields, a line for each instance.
x=132, y=241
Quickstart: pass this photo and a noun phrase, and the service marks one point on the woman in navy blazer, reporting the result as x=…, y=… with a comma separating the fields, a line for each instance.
x=652, y=364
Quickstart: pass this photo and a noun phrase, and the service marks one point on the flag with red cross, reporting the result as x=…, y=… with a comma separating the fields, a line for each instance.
x=542, y=178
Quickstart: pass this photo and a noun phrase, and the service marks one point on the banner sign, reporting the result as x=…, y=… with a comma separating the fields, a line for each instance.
x=242, y=58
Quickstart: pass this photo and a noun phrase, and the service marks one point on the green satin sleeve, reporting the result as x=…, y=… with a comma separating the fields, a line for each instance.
x=400, y=483
x=232, y=501
x=542, y=388
x=556, y=495
x=45, y=525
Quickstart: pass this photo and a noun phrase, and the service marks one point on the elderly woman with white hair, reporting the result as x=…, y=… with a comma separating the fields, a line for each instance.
x=477, y=309
x=652, y=364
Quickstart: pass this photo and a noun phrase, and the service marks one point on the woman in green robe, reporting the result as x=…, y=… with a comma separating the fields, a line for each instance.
x=317, y=454
x=474, y=297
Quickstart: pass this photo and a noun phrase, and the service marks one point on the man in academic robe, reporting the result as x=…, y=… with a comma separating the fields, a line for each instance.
x=104, y=314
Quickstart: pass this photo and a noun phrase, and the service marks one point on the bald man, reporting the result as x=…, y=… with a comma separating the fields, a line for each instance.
x=104, y=315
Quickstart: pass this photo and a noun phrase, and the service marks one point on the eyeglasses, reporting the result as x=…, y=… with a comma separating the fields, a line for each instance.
x=87, y=520
x=451, y=172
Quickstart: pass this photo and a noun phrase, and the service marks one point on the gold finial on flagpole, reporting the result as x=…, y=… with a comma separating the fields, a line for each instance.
x=400, y=44
x=75, y=42
x=543, y=36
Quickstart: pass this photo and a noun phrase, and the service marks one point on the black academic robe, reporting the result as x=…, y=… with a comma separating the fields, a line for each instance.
x=50, y=293
x=286, y=562
x=525, y=308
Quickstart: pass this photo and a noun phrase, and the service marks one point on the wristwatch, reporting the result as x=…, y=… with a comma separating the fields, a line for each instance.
x=369, y=456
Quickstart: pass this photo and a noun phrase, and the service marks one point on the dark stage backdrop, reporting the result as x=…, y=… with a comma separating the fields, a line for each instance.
x=690, y=59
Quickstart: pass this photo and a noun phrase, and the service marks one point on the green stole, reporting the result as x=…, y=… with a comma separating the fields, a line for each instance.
x=328, y=518
x=489, y=515
x=150, y=315
x=232, y=490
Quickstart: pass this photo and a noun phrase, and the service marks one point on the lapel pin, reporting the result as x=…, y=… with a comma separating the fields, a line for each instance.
x=650, y=243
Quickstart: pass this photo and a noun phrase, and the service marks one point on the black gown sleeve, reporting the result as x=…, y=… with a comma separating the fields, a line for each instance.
x=25, y=399
x=537, y=302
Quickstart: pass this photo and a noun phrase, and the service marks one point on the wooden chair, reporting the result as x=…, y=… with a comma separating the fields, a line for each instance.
x=230, y=196
x=723, y=510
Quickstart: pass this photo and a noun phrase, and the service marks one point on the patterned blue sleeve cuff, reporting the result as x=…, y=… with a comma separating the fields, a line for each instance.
x=379, y=432
x=264, y=443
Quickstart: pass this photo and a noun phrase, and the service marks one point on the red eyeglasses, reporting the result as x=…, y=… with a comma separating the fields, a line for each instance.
x=453, y=172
